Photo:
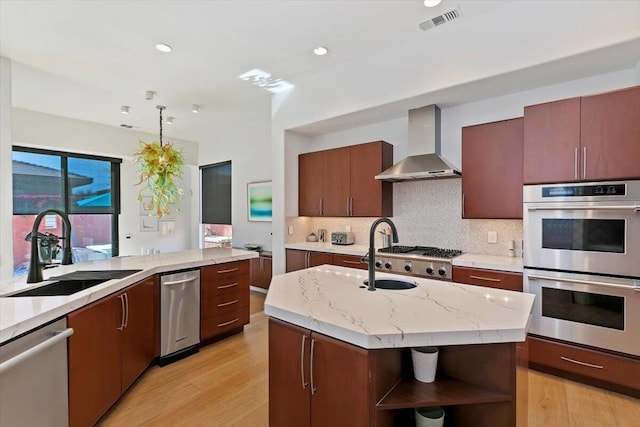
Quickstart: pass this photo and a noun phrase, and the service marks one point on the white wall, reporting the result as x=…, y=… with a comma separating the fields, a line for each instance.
x=245, y=140
x=6, y=179
x=34, y=129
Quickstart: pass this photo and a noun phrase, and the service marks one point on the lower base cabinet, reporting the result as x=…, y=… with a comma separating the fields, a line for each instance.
x=298, y=260
x=315, y=380
x=112, y=345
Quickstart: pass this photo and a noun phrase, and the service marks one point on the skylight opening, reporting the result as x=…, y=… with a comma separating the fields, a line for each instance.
x=266, y=81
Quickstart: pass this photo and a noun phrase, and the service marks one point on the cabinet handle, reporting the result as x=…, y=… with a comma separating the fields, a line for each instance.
x=126, y=303
x=228, y=286
x=575, y=163
x=490, y=279
x=54, y=339
x=346, y=261
x=584, y=162
x=348, y=210
x=462, y=205
x=350, y=206
x=307, y=260
x=304, y=384
x=121, y=298
x=228, y=270
x=321, y=206
x=313, y=389
x=227, y=323
x=589, y=365
x=224, y=304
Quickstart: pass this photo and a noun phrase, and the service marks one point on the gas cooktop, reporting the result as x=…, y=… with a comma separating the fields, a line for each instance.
x=426, y=251
x=421, y=261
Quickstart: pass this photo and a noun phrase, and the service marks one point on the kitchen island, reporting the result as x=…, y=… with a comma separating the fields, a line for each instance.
x=340, y=352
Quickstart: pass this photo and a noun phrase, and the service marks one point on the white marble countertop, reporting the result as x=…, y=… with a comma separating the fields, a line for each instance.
x=21, y=314
x=358, y=250
x=329, y=300
x=489, y=262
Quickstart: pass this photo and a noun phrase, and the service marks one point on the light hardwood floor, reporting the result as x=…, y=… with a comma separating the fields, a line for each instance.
x=226, y=384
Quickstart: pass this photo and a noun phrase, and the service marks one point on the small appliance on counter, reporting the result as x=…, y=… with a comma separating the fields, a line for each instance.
x=342, y=238
x=312, y=238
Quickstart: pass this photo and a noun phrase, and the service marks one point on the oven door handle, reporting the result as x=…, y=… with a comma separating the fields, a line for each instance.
x=579, y=282
x=584, y=208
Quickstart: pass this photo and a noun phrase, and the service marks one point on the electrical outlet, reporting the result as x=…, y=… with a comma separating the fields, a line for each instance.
x=492, y=237
x=290, y=230
x=348, y=228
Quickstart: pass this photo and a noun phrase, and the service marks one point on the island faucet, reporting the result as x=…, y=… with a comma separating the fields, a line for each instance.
x=372, y=250
x=35, y=266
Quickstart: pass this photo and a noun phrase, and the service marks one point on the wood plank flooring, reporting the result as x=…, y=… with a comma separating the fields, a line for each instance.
x=226, y=384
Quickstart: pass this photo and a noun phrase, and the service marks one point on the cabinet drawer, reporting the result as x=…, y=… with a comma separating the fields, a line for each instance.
x=589, y=363
x=225, y=302
x=488, y=278
x=221, y=271
x=349, y=261
x=224, y=322
x=223, y=285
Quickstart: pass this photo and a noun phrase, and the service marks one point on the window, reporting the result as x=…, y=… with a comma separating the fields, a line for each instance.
x=215, y=181
x=86, y=188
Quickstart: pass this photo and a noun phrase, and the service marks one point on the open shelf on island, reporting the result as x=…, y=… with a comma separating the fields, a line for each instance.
x=444, y=391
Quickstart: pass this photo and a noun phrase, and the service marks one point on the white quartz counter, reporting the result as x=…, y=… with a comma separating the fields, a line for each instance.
x=358, y=250
x=489, y=262
x=21, y=314
x=329, y=300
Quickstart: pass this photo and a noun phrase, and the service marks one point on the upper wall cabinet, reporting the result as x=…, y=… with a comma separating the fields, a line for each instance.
x=492, y=170
x=341, y=182
x=592, y=138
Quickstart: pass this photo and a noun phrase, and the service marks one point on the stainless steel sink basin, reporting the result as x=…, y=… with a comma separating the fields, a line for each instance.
x=62, y=287
x=393, y=284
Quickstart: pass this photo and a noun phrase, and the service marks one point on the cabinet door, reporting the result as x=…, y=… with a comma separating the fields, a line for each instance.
x=310, y=178
x=351, y=261
x=610, y=135
x=138, y=334
x=267, y=271
x=492, y=165
x=256, y=273
x=94, y=360
x=337, y=182
x=551, y=142
x=488, y=278
x=320, y=258
x=340, y=378
x=369, y=196
x=296, y=260
x=289, y=394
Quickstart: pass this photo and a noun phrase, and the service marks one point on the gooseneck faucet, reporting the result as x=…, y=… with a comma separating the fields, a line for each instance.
x=372, y=250
x=35, y=266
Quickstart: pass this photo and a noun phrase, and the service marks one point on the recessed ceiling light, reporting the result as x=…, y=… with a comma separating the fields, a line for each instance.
x=321, y=50
x=431, y=3
x=124, y=109
x=195, y=108
x=163, y=47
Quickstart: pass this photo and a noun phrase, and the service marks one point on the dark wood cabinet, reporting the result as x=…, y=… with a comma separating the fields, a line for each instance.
x=298, y=259
x=592, y=138
x=341, y=182
x=492, y=165
x=112, y=345
x=611, y=371
x=261, y=270
x=488, y=278
x=315, y=380
x=224, y=298
x=310, y=183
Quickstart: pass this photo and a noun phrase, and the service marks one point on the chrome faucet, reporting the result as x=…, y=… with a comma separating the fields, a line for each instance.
x=372, y=250
x=35, y=266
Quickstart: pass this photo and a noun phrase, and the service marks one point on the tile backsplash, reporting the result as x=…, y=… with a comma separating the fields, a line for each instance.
x=427, y=213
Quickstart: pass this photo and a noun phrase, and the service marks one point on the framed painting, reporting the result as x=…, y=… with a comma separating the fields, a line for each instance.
x=259, y=201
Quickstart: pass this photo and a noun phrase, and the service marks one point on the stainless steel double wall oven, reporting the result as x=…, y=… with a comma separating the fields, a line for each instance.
x=582, y=261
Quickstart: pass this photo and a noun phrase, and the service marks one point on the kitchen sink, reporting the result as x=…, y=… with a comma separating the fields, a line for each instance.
x=392, y=284
x=73, y=282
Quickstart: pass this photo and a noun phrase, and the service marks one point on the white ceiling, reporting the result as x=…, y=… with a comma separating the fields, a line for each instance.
x=84, y=59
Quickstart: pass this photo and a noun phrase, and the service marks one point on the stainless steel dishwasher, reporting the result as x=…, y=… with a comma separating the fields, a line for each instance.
x=33, y=378
x=179, y=315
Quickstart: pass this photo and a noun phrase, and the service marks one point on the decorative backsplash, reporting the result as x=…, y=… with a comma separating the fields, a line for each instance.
x=427, y=213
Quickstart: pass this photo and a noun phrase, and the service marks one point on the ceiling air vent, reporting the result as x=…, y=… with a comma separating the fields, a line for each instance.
x=441, y=19
x=126, y=126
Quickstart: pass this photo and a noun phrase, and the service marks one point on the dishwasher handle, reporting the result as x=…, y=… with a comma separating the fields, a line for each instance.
x=19, y=358
x=179, y=282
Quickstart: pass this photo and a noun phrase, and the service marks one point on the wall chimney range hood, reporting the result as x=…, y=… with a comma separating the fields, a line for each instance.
x=423, y=160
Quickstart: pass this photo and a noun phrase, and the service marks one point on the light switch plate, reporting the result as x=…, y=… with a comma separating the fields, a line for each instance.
x=290, y=231
x=348, y=228
x=492, y=237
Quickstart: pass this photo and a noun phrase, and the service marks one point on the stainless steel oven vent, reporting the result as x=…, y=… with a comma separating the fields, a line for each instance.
x=441, y=19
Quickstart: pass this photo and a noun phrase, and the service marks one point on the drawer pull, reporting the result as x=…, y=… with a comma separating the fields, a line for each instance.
x=229, y=270
x=228, y=286
x=577, y=362
x=224, y=304
x=346, y=261
x=489, y=279
x=220, y=325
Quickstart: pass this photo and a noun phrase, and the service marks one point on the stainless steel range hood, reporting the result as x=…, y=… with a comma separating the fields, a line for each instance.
x=424, y=160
